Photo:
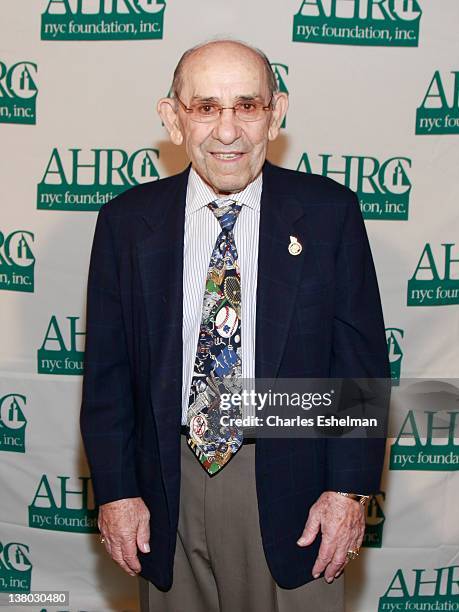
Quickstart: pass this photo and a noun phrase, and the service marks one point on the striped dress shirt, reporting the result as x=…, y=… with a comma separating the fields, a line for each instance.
x=201, y=231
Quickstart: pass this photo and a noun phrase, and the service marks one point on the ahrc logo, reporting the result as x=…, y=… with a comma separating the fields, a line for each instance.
x=17, y=262
x=383, y=187
x=394, y=336
x=418, y=452
x=18, y=93
x=58, y=357
x=388, y=23
x=281, y=72
x=427, y=287
x=77, y=180
x=64, y=509
x=423, y=589
x=15, y=568
x=12, y=423
x=439, y=112
x=103, y=20
x=374, y=521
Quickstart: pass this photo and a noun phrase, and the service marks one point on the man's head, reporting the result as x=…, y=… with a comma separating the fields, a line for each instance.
x=227, y=152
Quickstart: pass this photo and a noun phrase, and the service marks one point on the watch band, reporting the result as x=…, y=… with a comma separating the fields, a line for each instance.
x=362, y=499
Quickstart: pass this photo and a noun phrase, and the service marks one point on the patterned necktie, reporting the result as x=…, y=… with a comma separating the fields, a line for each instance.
x=217, y=368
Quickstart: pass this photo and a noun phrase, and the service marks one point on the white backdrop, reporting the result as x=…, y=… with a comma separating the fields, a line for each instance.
x=374, y=89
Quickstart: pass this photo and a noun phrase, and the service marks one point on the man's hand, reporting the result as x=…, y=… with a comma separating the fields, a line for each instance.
x=124, y=525
x=342, y=523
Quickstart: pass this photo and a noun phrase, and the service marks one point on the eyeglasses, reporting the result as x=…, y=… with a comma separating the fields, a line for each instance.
x=206, y=112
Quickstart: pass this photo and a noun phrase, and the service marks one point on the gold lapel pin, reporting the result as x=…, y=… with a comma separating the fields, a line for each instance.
x=294, y=248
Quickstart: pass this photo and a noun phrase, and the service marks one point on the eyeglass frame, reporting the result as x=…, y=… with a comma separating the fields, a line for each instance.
x=187, y=109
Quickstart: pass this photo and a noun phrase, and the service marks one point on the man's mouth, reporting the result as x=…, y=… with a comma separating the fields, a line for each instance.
x=227, y=156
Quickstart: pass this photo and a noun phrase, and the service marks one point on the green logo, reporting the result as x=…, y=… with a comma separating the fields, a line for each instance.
x=64, y=509
x=374, y=521
x=439, y=113
x=427, y=287
x=12, y=423
x=74, y=180
x=281, y=72
x=18, y=93
x=55, y=356
x=17, y=262
x=415, y=454
x=383, y=187
x=15, y=568
x=425, y=589
x=112, y=20
x=383, y=23
x=394, y=337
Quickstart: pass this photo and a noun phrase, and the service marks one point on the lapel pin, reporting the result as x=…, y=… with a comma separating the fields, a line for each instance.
x=294, y=248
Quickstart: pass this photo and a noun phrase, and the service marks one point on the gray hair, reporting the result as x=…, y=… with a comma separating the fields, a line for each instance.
x=178, y=72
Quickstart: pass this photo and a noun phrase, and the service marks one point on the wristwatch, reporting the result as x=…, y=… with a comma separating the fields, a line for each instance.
x=362, y=499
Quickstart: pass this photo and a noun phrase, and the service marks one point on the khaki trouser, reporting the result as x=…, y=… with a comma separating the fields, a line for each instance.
x=219, y=561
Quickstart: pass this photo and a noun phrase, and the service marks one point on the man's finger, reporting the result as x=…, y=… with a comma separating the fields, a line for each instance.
x=339, y=572
x=129, y=552
x=143, y=536
x=310, y=531
x=133, y=562
x=325, y=555
x=117, y=556
x=336, y=565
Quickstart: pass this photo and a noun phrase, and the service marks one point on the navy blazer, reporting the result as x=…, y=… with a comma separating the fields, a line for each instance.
x=318, y=315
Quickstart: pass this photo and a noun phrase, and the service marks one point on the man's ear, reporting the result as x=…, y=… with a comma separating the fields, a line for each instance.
x=166, y=108
x=280, y=104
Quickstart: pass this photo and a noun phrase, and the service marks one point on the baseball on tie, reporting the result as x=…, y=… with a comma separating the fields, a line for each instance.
x=226, y=321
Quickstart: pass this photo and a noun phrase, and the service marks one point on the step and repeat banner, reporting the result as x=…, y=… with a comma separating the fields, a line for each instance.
x=374, y=104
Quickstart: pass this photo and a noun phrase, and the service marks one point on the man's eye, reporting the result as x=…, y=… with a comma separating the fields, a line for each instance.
x=247, y=107
x=206, y=109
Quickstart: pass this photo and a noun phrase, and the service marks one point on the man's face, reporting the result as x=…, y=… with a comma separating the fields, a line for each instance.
x=227, y=153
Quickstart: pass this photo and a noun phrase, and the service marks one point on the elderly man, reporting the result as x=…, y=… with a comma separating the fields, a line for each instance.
x=232, y=269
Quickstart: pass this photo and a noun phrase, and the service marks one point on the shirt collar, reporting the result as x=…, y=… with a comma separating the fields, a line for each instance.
x=199, y=194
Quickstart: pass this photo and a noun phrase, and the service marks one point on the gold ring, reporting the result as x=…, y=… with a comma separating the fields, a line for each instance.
x=102, y=540
x=352, y=554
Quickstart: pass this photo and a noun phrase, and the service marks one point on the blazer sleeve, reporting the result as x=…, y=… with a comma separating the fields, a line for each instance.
x=107, y=417
x=359, y=350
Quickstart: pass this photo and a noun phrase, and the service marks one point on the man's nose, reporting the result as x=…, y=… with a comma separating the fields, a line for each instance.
x=227, y=128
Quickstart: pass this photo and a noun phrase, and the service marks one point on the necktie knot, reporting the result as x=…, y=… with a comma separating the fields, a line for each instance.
x=226, y=212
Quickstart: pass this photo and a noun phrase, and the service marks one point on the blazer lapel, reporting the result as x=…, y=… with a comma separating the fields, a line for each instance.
x=279, y=273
